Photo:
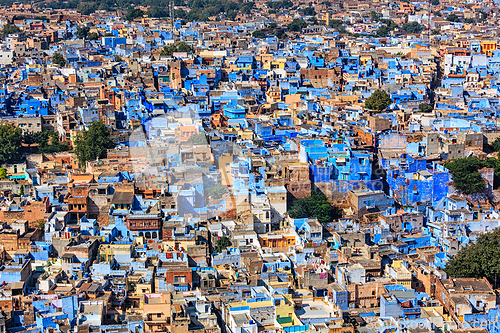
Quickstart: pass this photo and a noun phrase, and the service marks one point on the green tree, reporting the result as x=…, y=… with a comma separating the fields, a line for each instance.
x=259, y=34
x=478, y=260
x=216, y=191
x=283, y=4
x=308, y=11
x=58, y=59
x=453, y=18
x=87, y=7
x=496, y=145
x=384, y=30
x=82, y=32
x=231, y=15
x=93, y=143
x=10, y=29
x=338, y=25
x=93, y=36
x=425, y=107
x=222, y=244
x=312, y=20
x=317, y=205
x=378, y=101
x=3, y=173
x=469, y=21
x=296, y=25
x=118, y=58
x=30, y=138
x=184, y=47
x=177, y=47
x=156, y=11
x=180, y=13
x=437, y=13
x=21, y=190
x=465, y=174
x=413, y=27
x=133, y=13
x=10, y=143
x=48, y=142
x=434, y=2
x=41, y=224
x=375, y=16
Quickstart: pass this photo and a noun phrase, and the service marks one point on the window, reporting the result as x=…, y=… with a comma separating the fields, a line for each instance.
x=179, y=279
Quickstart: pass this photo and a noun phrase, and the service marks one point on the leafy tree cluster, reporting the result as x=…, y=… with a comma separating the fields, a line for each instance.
x=283, y=4
x=87, y=7
x=58, y=59
x=453, y=18
x=308, y=11
x=317, y=205
x=385, y=29
x=48, y=142
x=312, y=20
x=10, y=29
x=82, y=32
x=259, y=34
x=216, y=191
x=134, y=13
x=93, y=36
x=222, y=244
x=466, y=176
x=434, y=2
x=425, y=107
x=378, y=101
x=201, y=10
x=272, y=29
x=338, y=25
x=297, y=25
x=177, y=47
x=478, y=260
x=495, y=145
x=375, y=16
x=10, y=143
x=158, y=12
x=413, y=27
x=93, y=143
x=162, y=12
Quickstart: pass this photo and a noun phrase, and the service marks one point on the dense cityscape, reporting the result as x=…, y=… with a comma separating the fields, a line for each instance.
x=218, y=166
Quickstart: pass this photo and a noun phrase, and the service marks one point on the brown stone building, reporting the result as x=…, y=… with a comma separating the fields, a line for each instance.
x=297, y=180
x=322, y=77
